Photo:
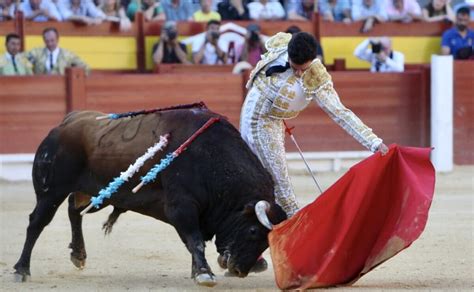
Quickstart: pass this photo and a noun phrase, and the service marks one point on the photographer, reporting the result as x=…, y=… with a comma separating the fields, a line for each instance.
x=380, y=55
x=253, y=46
x=210, y=53
x=168, y=50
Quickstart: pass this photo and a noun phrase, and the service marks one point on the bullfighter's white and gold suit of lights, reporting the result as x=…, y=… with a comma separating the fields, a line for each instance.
x=283, y=96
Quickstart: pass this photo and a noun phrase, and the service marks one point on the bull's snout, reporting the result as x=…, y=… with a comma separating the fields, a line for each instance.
x=235, y=270
x=222, y=260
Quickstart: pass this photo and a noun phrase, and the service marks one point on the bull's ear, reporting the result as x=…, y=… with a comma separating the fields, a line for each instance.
x=276, y=214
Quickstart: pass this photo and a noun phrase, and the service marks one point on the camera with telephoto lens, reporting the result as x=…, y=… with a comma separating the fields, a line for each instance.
x=215, y=35
x=376, y=47
x=171, y=33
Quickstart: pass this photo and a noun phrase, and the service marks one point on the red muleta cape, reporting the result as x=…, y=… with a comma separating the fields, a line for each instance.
x=378, y=208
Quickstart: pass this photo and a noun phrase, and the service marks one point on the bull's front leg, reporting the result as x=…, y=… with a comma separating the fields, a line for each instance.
x=185, y=219
x=200, y=270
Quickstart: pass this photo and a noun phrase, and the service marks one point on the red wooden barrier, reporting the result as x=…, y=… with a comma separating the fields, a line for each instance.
x=29, y=108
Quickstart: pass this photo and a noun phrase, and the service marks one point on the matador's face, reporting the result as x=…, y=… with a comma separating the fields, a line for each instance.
x=298, y=69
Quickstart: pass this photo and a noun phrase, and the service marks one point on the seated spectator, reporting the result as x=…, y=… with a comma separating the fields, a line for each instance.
x=380, y=55
x=469, y=4
x=169, y=50
x=336, y=10
x=52, y=59
x=233, y=9
x=114, y=12
x=81, y=11
x=266, y=10
x=438, y=10
x=300, y=9
x=369, y=11
x=253, y=47
x=7, y=10
x=178, y=10
x=403, y=10
x=459, y=40
x=205, y=13
x=40, y=10
x=152, y=9
x=319, y=50
x=13, y=62
x=210, y=53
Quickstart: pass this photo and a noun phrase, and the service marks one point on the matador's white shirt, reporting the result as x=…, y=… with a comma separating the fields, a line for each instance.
x=283, y=96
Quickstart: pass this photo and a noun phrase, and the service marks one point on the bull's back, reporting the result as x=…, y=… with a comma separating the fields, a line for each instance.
x=115, y=144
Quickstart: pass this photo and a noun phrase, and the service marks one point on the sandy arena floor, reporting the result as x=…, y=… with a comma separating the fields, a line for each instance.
x=143, y=254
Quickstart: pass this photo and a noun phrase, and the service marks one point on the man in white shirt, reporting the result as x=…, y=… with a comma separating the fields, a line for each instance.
x=40, y=10
x=209, y=52
x=380, y=55
x=266, y=10
x=82, y=11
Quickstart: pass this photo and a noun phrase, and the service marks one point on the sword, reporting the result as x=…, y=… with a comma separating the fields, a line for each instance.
x=288, y=130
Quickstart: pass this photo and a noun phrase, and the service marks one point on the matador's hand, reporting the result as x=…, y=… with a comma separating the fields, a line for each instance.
x=383, y=149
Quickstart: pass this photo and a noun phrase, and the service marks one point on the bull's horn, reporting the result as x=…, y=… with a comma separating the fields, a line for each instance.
x=261, y=209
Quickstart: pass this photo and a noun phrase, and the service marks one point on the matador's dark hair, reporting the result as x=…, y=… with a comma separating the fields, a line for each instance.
x=302, y=48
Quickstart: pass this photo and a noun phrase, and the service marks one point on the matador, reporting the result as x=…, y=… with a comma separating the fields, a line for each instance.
x=281, y=85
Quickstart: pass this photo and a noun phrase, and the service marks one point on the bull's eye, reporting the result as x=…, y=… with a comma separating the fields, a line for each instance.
x=253, y=231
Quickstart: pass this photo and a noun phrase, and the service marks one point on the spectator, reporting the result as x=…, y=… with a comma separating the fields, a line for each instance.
x=369, y=11
x=81, y=11
x=336, y=10
x=169, y=50
x=13, y=62
x=319, y=50
x=152, y=9
x=114, y=12
x=52, y=59
x=40, y=10
x=459, y=40
x=438, y=10
x=403, y=10
x=469, y=4
x=210, y=53
x=178, y=10
x=233, y=9
x=253, y=47
x=381, y=56
x=266, y=10
x=205, y=13
x=7, y=10
x=300, y=9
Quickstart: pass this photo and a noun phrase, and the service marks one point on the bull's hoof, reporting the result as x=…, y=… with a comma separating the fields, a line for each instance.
x=205, y=280
x=260, y=266
x=21, y=277
x=79, y=263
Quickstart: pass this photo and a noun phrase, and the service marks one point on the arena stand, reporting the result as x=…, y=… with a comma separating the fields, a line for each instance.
x=396, y=105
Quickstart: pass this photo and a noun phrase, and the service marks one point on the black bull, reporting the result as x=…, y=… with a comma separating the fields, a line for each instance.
x=209, y=190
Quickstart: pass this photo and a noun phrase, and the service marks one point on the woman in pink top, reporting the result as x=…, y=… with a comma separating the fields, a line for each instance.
x=403, y=10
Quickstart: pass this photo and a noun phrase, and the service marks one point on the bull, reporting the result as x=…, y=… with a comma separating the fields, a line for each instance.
x=217, y=187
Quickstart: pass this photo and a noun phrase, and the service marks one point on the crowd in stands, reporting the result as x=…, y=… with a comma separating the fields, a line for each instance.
x=371, y=11
x=458, y=41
